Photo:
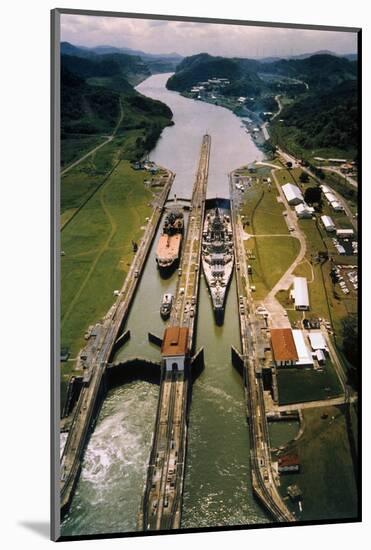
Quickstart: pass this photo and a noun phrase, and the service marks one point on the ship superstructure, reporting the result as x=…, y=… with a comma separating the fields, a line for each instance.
x=217, y=258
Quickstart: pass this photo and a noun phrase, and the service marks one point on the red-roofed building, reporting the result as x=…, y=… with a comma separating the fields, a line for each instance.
x=174, y=349
x=283, y=347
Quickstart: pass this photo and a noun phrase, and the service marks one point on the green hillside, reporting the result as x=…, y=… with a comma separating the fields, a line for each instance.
x=322, y=120
x=93, y=101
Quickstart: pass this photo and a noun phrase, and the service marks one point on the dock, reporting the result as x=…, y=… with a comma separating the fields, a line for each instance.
x=100, y=351
x=263, y=477
x=162, y=499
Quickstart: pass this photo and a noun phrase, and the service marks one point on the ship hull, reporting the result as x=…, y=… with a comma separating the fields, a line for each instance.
x=168, y=269
x=218, y=307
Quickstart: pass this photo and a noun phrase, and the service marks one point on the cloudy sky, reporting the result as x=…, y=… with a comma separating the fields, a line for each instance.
x=188, y=38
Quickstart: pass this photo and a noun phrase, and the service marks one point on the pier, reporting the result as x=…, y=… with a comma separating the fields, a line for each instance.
x=164, y=487
x=97, y=355
x=263, y=477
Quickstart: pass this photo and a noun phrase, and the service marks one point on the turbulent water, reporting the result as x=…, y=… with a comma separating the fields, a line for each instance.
x=217, y=483
x=109, y=491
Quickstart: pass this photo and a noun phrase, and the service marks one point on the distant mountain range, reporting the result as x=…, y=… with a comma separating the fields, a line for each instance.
x=156, y=62
x=349, y=56
x=319, y=71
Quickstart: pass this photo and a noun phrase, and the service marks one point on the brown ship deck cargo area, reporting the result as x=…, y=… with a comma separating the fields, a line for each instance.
x=168, y=247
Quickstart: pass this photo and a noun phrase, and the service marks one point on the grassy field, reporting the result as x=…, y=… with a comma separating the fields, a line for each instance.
x=79, y=183
x=263, y=211
x=274, y=255
x=327, y=479
x=296, y=385
x=77, y=146
x=97, y=251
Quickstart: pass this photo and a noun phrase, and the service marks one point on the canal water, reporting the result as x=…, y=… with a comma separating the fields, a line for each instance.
x=217, y=483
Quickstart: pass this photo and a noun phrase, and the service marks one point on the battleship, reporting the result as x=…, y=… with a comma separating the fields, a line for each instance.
x=169, y=244
x=217, y=258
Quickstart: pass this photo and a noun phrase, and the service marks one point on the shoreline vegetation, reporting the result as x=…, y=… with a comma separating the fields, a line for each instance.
x=96, y=239
x=310, y=104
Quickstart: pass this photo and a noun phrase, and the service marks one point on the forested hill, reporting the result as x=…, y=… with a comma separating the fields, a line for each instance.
x=133, y=62
x=91, y=94
x=324, y=119
x=319, y=71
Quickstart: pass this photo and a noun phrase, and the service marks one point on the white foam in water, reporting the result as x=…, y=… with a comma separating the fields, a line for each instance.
x=114, y=467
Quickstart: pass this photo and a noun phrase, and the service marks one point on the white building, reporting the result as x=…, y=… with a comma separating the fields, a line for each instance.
x=289, y=348
x=330, y=197
x=292, y=193
x=300, y=293
x=344, y=233
x=335, y=205
x=328, y=224
x=174, y=349
x=304, y=354
x=304, y=211
x=325, y=189
x=317, y=340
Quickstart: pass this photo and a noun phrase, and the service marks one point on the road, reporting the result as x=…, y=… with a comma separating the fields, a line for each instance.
x=337, y=171
x=87, y=155
x=331, y=402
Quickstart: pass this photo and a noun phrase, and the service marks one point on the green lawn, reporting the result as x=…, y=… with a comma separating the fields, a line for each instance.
x=263, y=211
x=274, y=255
x=296, y=385
x=72, y=148
x=327, y=477
x=97, y=251
x=79, y=183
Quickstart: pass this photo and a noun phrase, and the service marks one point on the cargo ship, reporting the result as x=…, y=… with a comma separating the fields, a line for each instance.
x=217, y=258
x=170, y=241
x=166, y=305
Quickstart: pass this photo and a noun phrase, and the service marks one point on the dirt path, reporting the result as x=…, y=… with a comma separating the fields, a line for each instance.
x=277, y=311
x=109, y=138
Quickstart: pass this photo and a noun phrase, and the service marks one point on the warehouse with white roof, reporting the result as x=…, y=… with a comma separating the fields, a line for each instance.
x=292, y=193
x=304, y=355
x=304, y=211
x=317, y=340
x=328, y=224
x=300, y=293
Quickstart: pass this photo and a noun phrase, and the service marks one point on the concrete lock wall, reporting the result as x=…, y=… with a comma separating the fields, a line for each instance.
x=237, y=360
